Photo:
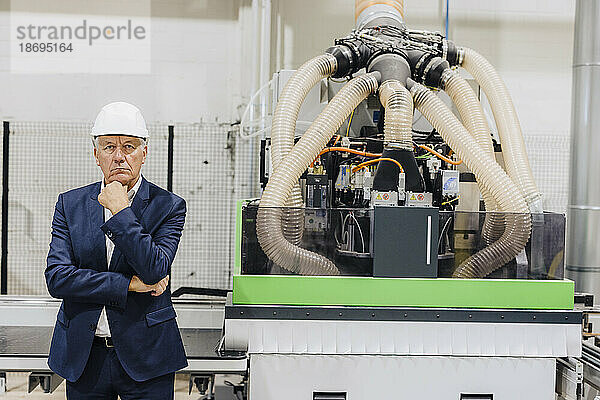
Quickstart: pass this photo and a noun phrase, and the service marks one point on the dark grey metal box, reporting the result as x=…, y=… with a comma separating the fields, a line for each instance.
x=405, y=241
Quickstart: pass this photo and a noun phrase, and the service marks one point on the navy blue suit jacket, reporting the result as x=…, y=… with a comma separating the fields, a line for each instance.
x=143, y=327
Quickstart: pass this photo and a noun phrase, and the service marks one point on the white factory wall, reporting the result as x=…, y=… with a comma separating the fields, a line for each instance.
x=196, y=73
x=529, y=41
x=201, y=52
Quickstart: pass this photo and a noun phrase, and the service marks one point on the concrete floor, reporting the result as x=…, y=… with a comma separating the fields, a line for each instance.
x=17, y=388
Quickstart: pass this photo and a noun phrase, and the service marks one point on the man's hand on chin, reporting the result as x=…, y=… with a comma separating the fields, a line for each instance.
x=114, y=197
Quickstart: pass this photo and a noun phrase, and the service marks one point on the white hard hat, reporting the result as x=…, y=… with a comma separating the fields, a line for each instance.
x=120, y=118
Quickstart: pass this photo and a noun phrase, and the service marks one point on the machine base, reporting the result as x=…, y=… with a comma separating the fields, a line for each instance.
x=303, y=377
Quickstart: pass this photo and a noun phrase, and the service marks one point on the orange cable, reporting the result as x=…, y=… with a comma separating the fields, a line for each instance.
x=363, y=165
x=347, y=150
x=440, y=156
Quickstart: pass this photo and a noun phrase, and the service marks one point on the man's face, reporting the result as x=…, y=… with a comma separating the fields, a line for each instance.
x=120, y=158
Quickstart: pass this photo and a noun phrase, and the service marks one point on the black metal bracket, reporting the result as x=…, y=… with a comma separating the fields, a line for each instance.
x=4, y=258
x=585, y=299
x=205, y=385
x=48, y=381
x=263, y=174
x=200, y=291
x=170, y=158
x=330, y=395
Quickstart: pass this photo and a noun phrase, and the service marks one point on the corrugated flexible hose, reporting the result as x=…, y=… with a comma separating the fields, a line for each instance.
x=398, y=103
x=489, y=174
x=283, y=130
x=471, y=114
x=268, y=226
x=507, y=122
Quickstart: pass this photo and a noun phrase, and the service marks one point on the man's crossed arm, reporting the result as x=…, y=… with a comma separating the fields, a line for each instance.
x=67, y=281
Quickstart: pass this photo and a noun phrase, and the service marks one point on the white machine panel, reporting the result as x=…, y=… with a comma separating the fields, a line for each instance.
x=403, y=338
x=298, y=377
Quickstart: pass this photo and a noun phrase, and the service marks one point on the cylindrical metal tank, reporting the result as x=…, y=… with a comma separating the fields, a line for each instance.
x=378, y=12
x=583, y=214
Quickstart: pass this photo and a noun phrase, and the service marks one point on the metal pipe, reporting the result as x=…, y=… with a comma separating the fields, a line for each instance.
x=265, y=42
x=583, y=212
x=170, y=158
x=254, y=80
x=265, y=52
x=4, y=262
x=362, y=5
x=447, y=17
x=378, y=12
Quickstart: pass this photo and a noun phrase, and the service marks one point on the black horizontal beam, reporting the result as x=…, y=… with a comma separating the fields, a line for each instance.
x=402, y=314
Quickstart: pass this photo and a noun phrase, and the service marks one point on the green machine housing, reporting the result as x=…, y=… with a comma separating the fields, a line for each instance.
x=536, y=284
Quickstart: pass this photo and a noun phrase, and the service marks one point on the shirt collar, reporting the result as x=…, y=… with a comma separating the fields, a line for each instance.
x=130, y=194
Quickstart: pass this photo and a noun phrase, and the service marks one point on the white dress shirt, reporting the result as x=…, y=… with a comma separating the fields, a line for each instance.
x=102, y=328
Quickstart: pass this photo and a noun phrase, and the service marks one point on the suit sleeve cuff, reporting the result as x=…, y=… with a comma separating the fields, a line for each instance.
x=118, y=223
x=120, y=286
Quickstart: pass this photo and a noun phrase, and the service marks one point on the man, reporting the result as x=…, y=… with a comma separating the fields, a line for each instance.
x=112, y=246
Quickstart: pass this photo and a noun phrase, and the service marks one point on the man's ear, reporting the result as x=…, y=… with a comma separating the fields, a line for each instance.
x=145, y=152
x=96, y=156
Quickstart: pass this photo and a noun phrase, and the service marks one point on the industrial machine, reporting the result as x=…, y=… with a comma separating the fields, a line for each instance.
x=388, y=257
x=369, y=267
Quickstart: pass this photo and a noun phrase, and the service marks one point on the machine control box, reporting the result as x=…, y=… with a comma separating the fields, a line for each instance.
x=405, y=242
x=317, y=187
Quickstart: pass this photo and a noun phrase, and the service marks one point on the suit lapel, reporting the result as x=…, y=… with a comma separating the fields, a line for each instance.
x=138, y=206
x=141, y=199
x=96, y=219
x=116, y=255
